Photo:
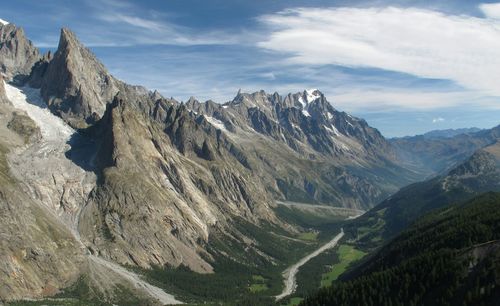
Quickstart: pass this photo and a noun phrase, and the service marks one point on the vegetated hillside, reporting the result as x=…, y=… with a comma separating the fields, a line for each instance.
x=430, y=155
x=480, y=173
x=448, y=257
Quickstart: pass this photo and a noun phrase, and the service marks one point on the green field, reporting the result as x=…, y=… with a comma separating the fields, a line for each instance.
x=294, y=301
x=309, y=236
x=346, y=254
x=258, y=284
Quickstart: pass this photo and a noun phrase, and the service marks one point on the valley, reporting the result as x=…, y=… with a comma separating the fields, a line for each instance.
x=112, y=194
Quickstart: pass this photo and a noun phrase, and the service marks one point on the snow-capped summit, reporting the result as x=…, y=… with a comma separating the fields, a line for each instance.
x=312, y=94
x=3, y=22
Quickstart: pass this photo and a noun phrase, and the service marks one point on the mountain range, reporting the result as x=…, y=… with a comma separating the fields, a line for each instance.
x=98, y=174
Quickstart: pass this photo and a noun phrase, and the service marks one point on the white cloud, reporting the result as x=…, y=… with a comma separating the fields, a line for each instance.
x=133, y=21
x=438, y=120
x=387, y=99
x=419, y=42
x=491, y=10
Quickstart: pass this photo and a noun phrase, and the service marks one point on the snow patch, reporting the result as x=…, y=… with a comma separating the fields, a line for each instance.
x=216, y=123
x=29, y=100
x=333, y=130
x=311, y=95
x=3, y=22
x=306, y=113
x=225, y=106
x=329, y=116
x=301, y=101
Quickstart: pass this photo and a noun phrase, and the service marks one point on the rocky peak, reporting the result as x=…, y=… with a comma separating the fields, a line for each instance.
x=309, y=96
x=192, y=103
x=75, y=84
x=68, y=40
x=17, y=53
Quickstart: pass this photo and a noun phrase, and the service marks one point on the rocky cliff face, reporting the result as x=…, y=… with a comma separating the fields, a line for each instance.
x=171, y=177
x=75, y=84
x=17, y=53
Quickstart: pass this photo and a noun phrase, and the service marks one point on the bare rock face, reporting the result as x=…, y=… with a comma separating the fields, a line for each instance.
x=17, y=53
x=160, y=197
x=76, y=85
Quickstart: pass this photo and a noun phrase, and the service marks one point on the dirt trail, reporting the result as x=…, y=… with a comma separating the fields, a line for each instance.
x=290, y=274
x=341, y=211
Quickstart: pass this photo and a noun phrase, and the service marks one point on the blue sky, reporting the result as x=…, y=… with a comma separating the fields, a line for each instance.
x=405, y=66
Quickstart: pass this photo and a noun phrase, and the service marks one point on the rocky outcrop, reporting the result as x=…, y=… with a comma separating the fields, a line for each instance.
x=17, y=53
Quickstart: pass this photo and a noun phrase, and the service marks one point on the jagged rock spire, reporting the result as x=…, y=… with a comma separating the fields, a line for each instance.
x=17, y=53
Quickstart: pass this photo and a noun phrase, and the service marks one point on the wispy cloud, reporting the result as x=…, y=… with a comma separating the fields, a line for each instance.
x=134, y=21
x=386, y=99
x=438, y=120
x=124, y=24
x=420, y=42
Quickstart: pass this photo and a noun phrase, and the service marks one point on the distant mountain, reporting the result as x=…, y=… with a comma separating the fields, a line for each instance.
x=449, y=257
x=480, y=173
x=448, y=133
x=430, y=156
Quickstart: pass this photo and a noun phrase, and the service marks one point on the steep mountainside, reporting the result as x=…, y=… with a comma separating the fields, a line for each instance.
x=437, y=155
x=306, y=150
x=449, y=257
x=480, y=173
x=172, y=177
